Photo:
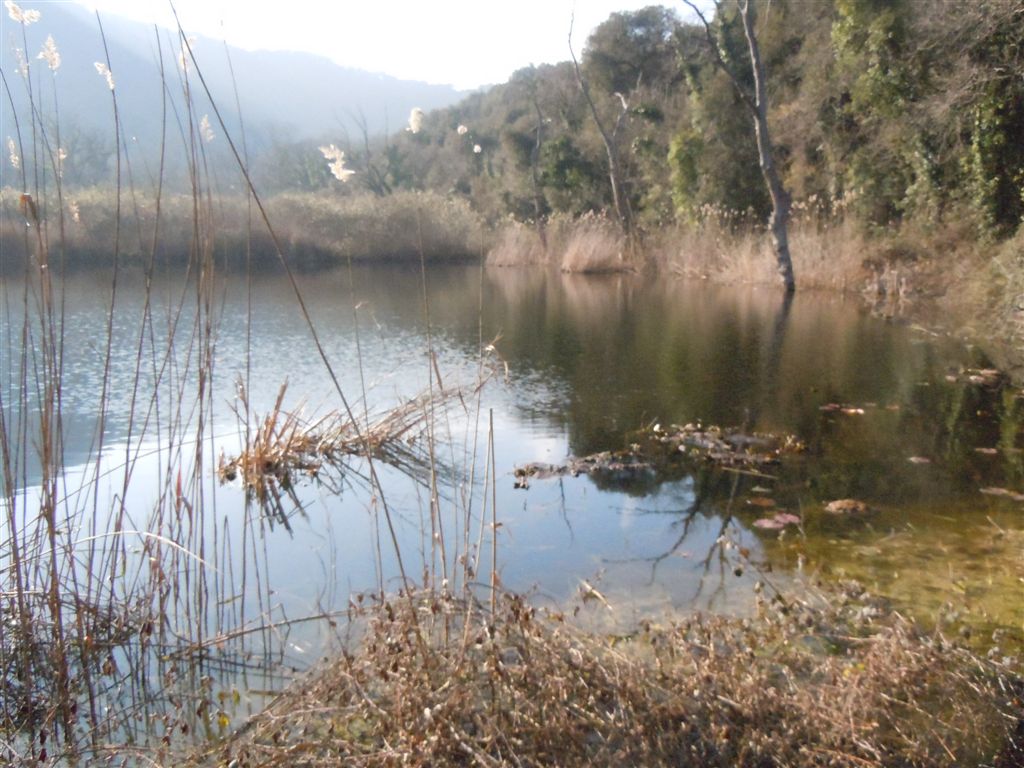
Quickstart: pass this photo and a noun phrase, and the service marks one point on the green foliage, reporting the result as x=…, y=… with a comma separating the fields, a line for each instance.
x=871, y=42
x=995, y=162
x=632, y=49
x=888, y=111
x=684, y=158
x=572, y=179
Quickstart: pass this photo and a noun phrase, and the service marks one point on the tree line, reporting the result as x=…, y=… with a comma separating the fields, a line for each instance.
x=888, y=111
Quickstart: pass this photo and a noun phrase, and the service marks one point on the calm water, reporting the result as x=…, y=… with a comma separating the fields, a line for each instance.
x=589, y=361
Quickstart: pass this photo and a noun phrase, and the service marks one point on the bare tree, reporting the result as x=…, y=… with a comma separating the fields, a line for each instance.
x=611, y=145
x=757, y=103
x=375, y=178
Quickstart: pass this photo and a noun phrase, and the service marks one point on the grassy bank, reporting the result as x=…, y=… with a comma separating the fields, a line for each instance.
x=314, y=229
x=840, y=681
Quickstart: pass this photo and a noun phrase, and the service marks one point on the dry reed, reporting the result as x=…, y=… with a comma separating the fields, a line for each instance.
x=282, y=446
x=591, y=243
x=836, y=682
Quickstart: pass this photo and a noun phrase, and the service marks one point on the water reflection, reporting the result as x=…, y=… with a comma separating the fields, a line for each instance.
x=591, y=359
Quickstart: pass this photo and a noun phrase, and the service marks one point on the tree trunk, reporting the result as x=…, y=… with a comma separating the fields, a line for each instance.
x=538, y=194
x=620, y=200
x=779, y=221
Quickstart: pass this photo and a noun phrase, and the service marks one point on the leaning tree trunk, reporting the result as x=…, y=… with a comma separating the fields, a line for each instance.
x=778, y=224
x=620, y=199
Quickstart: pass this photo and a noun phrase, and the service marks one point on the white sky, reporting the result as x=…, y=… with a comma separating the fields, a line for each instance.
x=465, y=43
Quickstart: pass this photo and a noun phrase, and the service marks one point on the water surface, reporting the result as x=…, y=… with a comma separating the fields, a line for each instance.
x=590, y=360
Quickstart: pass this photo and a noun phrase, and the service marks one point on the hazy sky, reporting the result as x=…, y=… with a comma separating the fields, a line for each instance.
x=466, y=43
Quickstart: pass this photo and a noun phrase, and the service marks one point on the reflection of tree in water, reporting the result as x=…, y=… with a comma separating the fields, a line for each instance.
x=716, y=491
x=715, y=488
x=633, y=352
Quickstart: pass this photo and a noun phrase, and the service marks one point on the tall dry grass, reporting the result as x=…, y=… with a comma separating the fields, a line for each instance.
x=941, y=275
x=592, y=243
x=318, y=229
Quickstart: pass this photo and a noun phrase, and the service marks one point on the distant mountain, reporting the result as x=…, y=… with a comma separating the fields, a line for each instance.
x=293, y=95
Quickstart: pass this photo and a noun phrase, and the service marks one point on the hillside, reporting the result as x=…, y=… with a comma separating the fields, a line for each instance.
x=283, y=96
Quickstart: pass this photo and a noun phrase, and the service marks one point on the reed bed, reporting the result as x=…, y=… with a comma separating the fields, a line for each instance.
x=828, y=680
x=318, y=229
x=592, y=243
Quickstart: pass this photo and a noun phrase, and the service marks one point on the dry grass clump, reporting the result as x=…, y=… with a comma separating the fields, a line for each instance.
x=436, y=682
x=591, y=243
x=518, y=245
x=597, y=245
x=282, y=446
x=994, y=292
x=832, y=255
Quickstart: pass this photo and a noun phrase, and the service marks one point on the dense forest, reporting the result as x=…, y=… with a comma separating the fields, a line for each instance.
x=890, y=111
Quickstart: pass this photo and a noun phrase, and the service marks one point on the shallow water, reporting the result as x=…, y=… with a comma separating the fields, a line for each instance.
x=590, y=360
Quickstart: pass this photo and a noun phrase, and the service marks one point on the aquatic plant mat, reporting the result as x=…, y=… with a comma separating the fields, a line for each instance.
x=840, y=681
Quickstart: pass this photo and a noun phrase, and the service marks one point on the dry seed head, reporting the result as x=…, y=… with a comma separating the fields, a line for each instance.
x=205, y=130
x=104, y=70
x=22, y=62
x=183, y=53
x=76, y=214
x=12, y=149
x=462, y=130
x=50, y=54
x=415, y=120
x=19, y=15
x=477, y=149
x=336, y=162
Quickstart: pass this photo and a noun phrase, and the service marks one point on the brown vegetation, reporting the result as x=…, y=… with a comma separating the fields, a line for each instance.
x=943, y=277
x=316, y=229
x=282, y=446
x=842, y=682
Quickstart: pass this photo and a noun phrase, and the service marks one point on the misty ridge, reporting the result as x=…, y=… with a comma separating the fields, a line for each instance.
x=278, y=98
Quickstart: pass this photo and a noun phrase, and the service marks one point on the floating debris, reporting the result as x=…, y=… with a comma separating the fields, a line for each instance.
x=729, y=447
x=788, y=518
x=847, y=507
x=778, y=521
x=979, y=377
x=624, y=463
x=848, y=410
x=658, y=446
x=761, y=501
x=919, y=460
x=284, y=447
x=1005, y=492
x=987, y=451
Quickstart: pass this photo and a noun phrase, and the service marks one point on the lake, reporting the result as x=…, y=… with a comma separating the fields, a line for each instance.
x=909, y=423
